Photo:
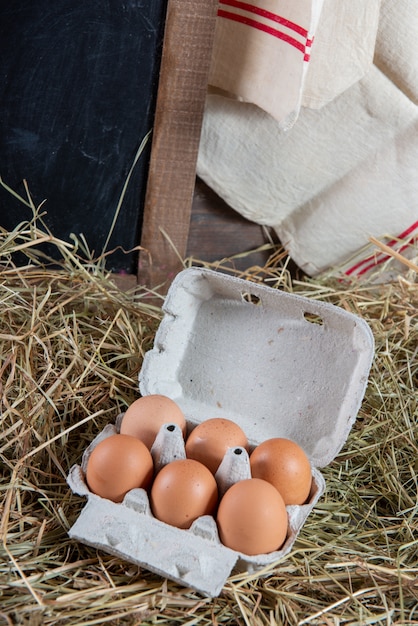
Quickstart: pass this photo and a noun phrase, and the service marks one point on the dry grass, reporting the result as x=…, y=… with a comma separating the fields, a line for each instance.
x=71, y=348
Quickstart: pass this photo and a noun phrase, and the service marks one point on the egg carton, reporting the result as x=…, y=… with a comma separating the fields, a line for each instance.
x=277, y=364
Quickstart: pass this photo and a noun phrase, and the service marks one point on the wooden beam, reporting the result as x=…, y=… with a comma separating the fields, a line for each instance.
x=185, y=63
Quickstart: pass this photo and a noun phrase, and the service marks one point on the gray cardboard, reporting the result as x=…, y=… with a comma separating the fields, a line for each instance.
x=264, y=365
x=277, y=364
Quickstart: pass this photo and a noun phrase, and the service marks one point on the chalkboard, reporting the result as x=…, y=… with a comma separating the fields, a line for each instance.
x=78, y=85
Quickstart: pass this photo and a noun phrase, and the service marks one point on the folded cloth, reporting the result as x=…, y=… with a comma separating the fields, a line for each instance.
x=261, y=52
x=343, y=49
x=396, y=52
x=281, y=54
x=343, y=173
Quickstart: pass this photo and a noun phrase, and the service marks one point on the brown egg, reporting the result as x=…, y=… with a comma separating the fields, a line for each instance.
x=182, y=491
x=144, y=417
x=118, y=464
x=209, y=441
x=284, y=464
x=252, y=517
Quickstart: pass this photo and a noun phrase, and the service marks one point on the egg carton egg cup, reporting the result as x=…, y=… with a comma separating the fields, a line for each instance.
x=277, y=364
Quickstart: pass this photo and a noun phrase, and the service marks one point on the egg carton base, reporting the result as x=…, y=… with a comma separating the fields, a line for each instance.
x=193, y=558
x=117, y=529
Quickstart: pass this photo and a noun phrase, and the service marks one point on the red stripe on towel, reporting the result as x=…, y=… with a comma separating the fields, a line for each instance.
x=384, y=258
x=263, y=27
x=238, y=4
x=373, y=260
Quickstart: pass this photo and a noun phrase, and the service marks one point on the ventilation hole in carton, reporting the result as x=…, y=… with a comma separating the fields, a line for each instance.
x=171, y=427
x=238, y=451
x=251, y=298
x=313, y=318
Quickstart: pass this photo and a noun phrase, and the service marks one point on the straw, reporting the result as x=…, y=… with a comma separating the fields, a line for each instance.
x=72, y=344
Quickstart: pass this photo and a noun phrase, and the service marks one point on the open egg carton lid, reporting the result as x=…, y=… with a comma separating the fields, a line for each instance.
x=277, y=364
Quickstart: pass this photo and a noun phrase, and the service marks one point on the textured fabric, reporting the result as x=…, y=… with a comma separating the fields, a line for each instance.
x=344, y=172
x=262, y=51
x=343, y=49
x=281, y=54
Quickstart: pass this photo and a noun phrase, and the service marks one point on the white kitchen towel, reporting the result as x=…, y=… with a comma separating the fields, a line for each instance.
x=396, y=51
x=342, y=173
x=279, y=54
x=262, y=50
x=343, y=49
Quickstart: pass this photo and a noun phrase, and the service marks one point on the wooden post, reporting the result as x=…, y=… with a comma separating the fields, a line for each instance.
x=185, y=63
